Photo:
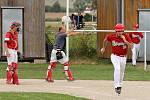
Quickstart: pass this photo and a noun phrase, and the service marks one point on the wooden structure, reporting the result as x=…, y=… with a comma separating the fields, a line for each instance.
x=33, y=26
x=110, y=13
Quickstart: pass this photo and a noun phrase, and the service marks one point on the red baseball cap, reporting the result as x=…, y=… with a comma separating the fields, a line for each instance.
x=119, y=27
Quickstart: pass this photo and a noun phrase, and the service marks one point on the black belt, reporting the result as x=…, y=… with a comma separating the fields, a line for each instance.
x=120, y=55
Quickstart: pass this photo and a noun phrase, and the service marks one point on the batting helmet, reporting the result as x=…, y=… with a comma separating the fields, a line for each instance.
x=15, y=24
x=119, y=28
x=136, y=26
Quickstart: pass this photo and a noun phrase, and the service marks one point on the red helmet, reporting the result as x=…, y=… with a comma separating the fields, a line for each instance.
x=119, y=27
x=136, y=26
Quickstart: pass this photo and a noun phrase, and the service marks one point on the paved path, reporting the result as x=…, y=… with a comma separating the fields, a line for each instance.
x=92, y=89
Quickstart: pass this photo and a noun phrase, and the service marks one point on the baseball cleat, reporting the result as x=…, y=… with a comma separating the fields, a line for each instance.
x=118, y=90
x=7, y=82
x=49, y=80
x=70, y=79
x=134, y=65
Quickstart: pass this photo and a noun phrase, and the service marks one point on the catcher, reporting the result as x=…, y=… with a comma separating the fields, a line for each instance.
x=11, y=47
x=58, y=55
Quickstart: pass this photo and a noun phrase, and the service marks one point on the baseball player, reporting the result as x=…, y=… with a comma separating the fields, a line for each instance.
x=120, y=43
x=135, y=36
x=58, y=55
x=11, y=47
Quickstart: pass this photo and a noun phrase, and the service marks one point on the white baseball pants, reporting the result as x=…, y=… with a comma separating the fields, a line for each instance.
x=54, y=59
x=119, y=64
x=135, y=50
x=13, y=56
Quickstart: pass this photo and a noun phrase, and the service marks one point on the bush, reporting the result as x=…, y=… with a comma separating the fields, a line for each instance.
x=83, y=46
x=88, y=17
x=52, y=20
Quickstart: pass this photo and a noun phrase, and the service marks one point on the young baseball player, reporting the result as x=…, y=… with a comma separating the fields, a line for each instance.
x=120, y=43
x=135, y=36
x=11, y=47
x=58, y=55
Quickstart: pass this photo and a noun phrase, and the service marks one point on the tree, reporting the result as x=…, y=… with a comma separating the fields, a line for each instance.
x=94, y=4
x=80, y=5
x=56, y=7
x=47, y=8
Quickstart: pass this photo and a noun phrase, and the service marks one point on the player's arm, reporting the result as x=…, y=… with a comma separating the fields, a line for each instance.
x=127, y=40
x=6, y=49
x=141, y=35
x=105, y=42
x=7, y=40
x=71, y=33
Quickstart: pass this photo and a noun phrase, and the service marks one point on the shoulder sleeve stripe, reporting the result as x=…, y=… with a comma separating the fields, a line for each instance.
x=7, y=39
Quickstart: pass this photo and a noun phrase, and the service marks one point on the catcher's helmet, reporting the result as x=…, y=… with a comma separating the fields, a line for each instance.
x=136, y=26
x=15, y=24
x=119, y=27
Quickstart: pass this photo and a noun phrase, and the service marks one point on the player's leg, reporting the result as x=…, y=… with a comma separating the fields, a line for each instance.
x=9, y=70
x=49, y=71
x=9, y=74
x=137, y=50
x=67, y=69
x=68, y=72
x=133, y=55
x=51, y=66
x=122, y=69
x=15, y=66
x=116, y=63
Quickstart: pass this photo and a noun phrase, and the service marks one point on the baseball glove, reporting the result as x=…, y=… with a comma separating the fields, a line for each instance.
x=59, y=55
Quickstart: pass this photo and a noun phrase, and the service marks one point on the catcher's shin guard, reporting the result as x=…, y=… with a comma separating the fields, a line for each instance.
x=49, y=72
x=15, y=74
x=68, y=72
x=8, y=75
x=15, y=78
x=15, y=65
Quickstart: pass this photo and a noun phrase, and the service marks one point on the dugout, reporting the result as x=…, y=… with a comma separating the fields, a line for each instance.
x=111, y=12
x=31, y=15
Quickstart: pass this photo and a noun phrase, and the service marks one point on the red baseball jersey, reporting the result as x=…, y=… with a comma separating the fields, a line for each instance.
x=119, y=47
x=135, y=37
x=10, y=40
x=16, y=40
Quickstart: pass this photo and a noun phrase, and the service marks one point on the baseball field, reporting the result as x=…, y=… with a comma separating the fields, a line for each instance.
x=94, y=82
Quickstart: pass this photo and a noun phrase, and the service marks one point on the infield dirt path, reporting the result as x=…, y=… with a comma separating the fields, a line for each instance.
x=92, y=89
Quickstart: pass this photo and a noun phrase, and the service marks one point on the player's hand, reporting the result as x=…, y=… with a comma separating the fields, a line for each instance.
x=7, y=54
x=123, y=37
x=102, y=50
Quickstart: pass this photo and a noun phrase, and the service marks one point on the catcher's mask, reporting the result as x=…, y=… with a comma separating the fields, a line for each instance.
x=15, y=24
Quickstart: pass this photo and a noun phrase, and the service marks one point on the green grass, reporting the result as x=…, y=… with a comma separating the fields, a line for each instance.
x=99, y=71
x=37, y=96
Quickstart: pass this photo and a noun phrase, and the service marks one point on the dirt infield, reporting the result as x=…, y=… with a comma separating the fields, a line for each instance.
x=92, y=89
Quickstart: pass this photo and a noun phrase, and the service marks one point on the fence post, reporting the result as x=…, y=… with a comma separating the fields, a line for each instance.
x=145, y=63
x=67, y=29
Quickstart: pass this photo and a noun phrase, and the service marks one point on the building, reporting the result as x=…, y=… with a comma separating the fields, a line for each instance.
x=31, y=14
x=128, y=12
